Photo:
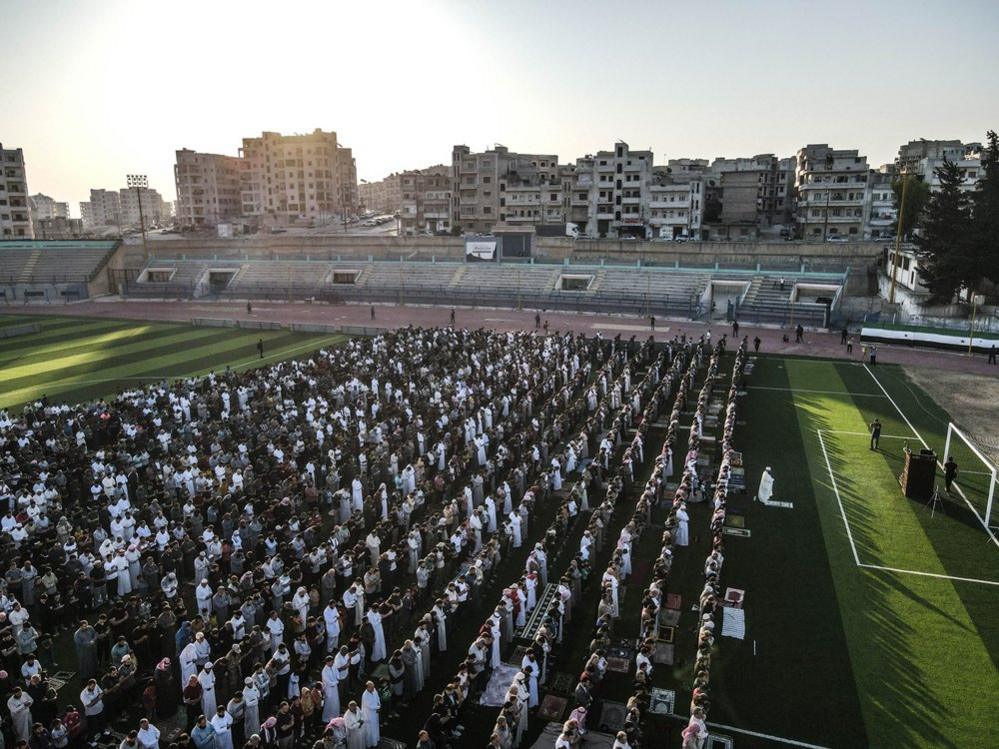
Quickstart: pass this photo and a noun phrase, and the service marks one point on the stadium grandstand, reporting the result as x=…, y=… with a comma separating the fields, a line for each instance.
x=54, y=271
x=808, y=297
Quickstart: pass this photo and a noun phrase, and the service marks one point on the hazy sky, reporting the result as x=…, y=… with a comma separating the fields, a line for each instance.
x=93, y=89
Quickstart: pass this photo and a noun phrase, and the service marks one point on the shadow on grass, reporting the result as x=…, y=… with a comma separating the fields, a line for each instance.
x=902, y=707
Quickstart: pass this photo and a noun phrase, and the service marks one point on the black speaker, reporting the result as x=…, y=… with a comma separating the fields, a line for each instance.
x=919, y=474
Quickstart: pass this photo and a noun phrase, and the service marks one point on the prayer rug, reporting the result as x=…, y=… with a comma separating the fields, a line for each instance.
x=743, y=532
x=669, y=617
x=734, y=597
x=494, y=694
x=551, y=732
x=612, y=715
x=662, y=701
x=733, y=623
x=563, y=683
x=517, y=656
x=618, y=665
x=735, y=520
x=386, y=743
x=666, y=634
x=552, y=707
x=674, y=601
x=663, y=654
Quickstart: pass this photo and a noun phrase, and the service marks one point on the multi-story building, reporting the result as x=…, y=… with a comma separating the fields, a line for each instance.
x=384, y=195
x=924, y=157
x=425, y=202
x=618, y=191
x=881, y=212
x=15, y=214
x=288, y=178
x=675, y=204
x=152, y=210
x=58, y=227
x=208, y=188
x=498, y=185
x=103, y=209
x=43, y=207
x=749, y=197
x=831, y=192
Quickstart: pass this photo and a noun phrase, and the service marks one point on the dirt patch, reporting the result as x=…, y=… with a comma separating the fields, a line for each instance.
x=970, y=399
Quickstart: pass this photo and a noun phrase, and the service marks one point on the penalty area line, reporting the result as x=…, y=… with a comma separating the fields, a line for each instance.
x=905, y=418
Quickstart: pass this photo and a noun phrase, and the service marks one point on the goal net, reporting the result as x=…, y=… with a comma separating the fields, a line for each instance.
x=976, y=473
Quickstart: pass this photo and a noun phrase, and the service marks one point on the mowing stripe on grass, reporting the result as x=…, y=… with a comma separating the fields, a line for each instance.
x=81, y=345
x=127, y=366
x=56, y=336
x=817, y=392
x=839, y=500
x=14, y=376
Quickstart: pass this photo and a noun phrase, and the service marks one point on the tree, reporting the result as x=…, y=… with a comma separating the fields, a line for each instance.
x=944, y=243
x=917, y=194
x=985, y=211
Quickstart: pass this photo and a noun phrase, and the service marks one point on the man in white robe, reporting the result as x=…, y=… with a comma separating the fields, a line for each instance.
x=766, y=490
x=378, y=647
x=682, y=526
x=222, y=723
x=207, y=681
x=331, y=691
x=353, y=721
x=371, y=704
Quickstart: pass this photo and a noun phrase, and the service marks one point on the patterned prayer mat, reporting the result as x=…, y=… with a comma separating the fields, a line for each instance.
x=663, y=654
x=612, y=715
x=552, y=707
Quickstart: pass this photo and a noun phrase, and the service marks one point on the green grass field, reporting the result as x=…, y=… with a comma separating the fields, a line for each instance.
x=76, y=359
x=870, y=622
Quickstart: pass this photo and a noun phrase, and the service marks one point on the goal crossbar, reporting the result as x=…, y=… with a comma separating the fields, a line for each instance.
x=953, y=429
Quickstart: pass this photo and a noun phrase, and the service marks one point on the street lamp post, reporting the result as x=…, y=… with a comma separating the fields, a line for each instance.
x=140, y=182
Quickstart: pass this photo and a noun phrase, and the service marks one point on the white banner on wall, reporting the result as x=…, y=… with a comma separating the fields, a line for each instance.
x=481, y=250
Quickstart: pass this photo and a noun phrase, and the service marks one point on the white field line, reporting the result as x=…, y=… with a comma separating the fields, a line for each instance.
x=868, y=434
x=839, y=500
x=849, y=533
x=905, y=418
x=778, y=739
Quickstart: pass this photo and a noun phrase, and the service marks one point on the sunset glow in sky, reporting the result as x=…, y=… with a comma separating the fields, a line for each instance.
x=94, y=89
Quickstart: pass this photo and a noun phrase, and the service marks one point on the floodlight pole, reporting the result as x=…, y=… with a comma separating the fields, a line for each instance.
x=898, y=239
x=138, y=182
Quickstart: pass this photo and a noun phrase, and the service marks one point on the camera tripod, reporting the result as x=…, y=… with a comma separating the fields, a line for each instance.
x=935, y=502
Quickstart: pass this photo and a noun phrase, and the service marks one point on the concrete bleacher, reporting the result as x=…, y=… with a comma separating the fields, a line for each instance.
x=50, y=270
x=663, y=291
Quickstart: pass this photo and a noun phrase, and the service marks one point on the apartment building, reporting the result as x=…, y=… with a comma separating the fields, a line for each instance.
x=617, y=184
x=153, y=211
x=293, y=178
x=831, y=190
x=15, y=214
x=43, y=207
x=923, y=158
x=103, y=209
x=425, y=200
x=208, y=188
x=675, y=204
x=499, y=186
x=384, y=195
x=880, y=215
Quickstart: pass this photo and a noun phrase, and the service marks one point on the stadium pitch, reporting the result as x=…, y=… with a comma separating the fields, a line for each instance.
x=76, y=359
x=871, y=620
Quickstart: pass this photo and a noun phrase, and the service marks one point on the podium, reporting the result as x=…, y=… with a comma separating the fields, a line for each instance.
x=919, y=474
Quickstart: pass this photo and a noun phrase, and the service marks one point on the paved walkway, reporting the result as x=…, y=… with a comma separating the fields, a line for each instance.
x=816, y=343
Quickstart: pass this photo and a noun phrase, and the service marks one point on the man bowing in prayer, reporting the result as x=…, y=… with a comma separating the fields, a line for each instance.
x=766, y=490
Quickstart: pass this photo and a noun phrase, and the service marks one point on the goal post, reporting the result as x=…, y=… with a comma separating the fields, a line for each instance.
x=976, y=477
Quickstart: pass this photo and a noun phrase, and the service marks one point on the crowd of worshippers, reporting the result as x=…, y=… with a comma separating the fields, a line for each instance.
x=695, y=734
x=523, y=693
x=221, y=540
x=587, y=695
x=607, y=412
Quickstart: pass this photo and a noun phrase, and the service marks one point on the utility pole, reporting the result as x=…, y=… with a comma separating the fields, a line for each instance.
x=898, y=238
x=140, y=182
